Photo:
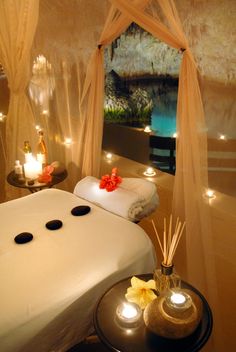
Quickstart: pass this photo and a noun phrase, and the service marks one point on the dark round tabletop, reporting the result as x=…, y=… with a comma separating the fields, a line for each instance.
x=12, y=180
x=139, y=339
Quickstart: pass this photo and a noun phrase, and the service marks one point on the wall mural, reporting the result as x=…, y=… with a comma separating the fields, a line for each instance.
x=141, y=82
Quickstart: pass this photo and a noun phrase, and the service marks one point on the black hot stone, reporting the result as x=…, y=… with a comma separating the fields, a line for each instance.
x=80, y=210
x=54, y=224
x=23, y=237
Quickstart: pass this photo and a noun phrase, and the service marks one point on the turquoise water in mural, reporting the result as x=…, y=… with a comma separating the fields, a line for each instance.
x=164, y=97
x=164, y=113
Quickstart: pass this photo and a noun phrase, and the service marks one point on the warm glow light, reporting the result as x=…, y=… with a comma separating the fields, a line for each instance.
x=147, y=129
x=2, y=117
x=222, y=136
x=68, y=141
x=109, y=156
x=178, y=298
x=128, y=313
x=32, y=169
x=38, y=127
x=45, y=112
x=149, y=172
x=210, y=193
x=174, y=135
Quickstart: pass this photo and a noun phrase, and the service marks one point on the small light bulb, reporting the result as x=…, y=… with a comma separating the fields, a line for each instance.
x=222, y=137
x=38, y=127
x=174, y=135
x=149, y=172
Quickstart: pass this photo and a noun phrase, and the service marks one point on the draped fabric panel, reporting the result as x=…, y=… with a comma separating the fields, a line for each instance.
x=191, y=177
x=18, y=21
x=92, y=129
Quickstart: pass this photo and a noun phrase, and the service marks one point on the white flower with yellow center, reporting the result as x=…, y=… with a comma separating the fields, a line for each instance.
x=141, y=292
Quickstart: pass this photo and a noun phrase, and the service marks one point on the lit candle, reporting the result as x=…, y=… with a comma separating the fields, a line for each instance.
x=2, y=117
x=68, y=141
x=109, y=156
x=128, y=313
x=41, y=158
x=149, y=172
x=210, y=193
x=32, y=169
x=178, y=298
x=147, y=129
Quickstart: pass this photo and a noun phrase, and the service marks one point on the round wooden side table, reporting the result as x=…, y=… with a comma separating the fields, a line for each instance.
x=138, y=338
x=13, y=181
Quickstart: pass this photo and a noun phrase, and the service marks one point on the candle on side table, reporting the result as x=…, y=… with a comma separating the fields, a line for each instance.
x=32, y=169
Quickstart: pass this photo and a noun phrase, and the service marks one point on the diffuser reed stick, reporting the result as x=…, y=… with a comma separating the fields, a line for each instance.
x=170, y=241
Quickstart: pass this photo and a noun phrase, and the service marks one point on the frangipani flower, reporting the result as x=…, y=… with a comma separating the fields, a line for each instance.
x=141, y=292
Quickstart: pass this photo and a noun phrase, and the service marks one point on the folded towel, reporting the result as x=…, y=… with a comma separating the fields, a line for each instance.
x=124, y=201
x=144, y=188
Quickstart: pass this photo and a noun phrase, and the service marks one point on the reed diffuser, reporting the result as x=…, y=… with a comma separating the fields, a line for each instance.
x=166, y=277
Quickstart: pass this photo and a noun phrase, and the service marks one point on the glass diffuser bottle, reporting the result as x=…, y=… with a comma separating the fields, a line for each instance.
x=166, y=278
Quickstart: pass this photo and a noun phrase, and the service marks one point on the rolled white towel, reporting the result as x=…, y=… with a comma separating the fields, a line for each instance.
x=122, y=202
x=144, y=188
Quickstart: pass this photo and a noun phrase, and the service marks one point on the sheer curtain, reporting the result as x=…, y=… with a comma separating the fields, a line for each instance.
x=72, y=31
x=18, y=21
x=191, y=178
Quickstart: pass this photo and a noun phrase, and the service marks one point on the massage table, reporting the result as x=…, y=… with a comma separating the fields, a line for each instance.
x=50, y=285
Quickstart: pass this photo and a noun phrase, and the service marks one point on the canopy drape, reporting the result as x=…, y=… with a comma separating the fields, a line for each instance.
x=18, y=21
x=191, y=179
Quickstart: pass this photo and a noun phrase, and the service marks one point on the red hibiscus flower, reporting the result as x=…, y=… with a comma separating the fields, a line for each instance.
x=46, y=176
x=110, y=183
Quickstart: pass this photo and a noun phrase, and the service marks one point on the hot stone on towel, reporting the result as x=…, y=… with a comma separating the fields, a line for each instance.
x=54, y=224
x=23, y=237
x=80, y=210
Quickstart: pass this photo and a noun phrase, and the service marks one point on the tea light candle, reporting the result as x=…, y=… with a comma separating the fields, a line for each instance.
x=149, y=172
x=128, y=313
x=210, y=194
x=32, y=169
x=2, y=117
x=147, y=129
x=178, y=300
x=109, y=156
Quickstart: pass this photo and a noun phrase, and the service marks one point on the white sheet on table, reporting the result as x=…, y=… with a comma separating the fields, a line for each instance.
x=50, y=285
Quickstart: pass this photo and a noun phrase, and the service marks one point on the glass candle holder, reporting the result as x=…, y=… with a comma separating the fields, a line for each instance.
x=128, y=314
